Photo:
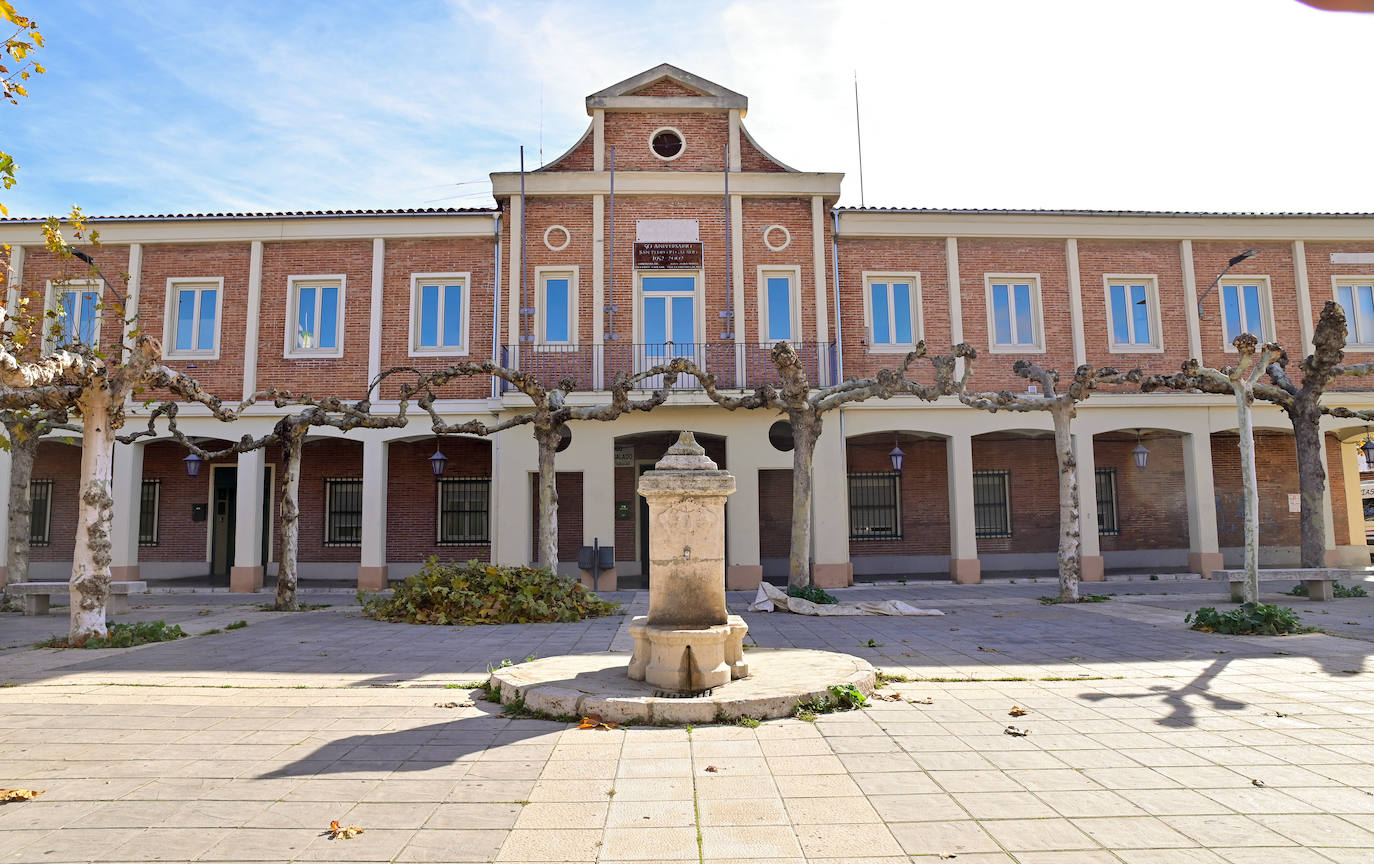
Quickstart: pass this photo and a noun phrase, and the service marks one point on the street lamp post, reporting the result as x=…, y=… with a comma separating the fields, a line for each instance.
x=1248, y=253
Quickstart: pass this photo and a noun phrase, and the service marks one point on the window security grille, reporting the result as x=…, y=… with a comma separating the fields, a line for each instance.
x=1106, y=501
x=874, y=507
x=992, y=503
x=40, y=502
x=147, y=512
x=464, y=510
x=343, y=523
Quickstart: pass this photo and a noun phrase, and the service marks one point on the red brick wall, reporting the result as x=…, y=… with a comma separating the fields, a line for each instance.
x=412, y=497
x=569, y=486
x=1046, y=258
x=574, y=215
x=926, y=257
x=704, y=137
x=754, y=159
x=1274, y=260
x=40, y=267
x=1335, y=478
x=1152, y=507
x=924, y=493
x=665, y=88
x=405, y=257
x=795, y=214
x=223, y=377
x=328, y=459
x=1158, y=258
x=60, y=463
x=579, y=158
x=775, y=513
x=180, y=538
x=1276, y=468
x=345, y=376
x=1034, y=491
x=1321, y=288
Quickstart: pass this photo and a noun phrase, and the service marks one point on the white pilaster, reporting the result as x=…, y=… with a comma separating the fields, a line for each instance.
x=372, y=568
x=1185, y=254
x=1204, y=554
x=963, y=536
x=127, y=492
x=5, y=500
x=598, y=485
x=12, y=283
x=1080, y=350
x=829, y=511
x=1304, y=296
x=513, y=455
x=1354, y=499
x=131, y=296
x=598, y=289
x=247, y=572
x=818, y=263
x=598, y=139
x=956, y=310
x=1328, y=513
x=737, y=324
x=515, y=282
x=742, y=569
x=254, y=310
x=735, y=163
x=1090, y=548
x=374, y=322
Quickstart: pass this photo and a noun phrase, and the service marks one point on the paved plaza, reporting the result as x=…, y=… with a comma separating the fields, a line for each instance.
x=1147, y=742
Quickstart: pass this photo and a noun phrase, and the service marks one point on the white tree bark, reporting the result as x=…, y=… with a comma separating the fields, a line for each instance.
x=1250, y=492
x=804, y=435
x=1070, y=557
x=90, y=580
x=547, y=440
x=287, y=600
x=23, y=454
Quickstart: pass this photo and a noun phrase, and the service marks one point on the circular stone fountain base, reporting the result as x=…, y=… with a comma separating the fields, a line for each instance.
x=576, y=685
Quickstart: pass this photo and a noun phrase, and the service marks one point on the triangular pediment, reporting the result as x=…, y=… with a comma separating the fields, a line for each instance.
x=667, y=87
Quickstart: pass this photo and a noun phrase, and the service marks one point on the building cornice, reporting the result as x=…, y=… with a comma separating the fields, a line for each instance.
x=780, y=184
x=210, y=229
x=855, y=224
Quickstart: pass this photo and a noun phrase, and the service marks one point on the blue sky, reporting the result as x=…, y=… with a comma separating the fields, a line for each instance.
x=161, y=106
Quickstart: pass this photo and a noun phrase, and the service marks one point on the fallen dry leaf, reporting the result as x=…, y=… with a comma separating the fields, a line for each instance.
x=887, y=697
x=1280, y=714
x=1256, y=782
x=7, y=795
x=925, y=701
x=952, y=629
x=1018, y=733
x=1356, y=623
x=947, y=855
x=339, y=832
x=594, y=721
x=1017, y=711
x=711, y=769
x=990, y=650
x=465, y=704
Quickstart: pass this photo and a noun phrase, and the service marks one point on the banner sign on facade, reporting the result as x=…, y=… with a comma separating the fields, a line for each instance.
x=667, y=256
x=624, y=457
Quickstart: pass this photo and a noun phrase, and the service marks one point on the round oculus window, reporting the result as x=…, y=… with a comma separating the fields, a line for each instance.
x=666, y=143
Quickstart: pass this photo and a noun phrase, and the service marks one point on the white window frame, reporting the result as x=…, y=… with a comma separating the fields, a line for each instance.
x=1151, y=282
x=293, y=284
x=1037, y=345
x=1266, y=308
x=917, y=310
x=698, y=301
x=1337, y=282
x=169, y=320
x=793, y=275
x=418, y=281
x=541, y=309
x=55, y=287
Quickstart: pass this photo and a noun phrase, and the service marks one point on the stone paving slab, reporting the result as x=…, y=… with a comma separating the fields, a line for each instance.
x=1145, y=743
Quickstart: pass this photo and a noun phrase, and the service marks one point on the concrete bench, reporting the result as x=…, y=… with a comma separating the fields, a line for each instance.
x=38, y=594
x=1317, y=579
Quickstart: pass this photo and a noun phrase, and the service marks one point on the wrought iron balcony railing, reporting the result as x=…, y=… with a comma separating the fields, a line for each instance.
x=735, y=365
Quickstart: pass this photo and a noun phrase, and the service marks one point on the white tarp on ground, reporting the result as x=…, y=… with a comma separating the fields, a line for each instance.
x=771, y=599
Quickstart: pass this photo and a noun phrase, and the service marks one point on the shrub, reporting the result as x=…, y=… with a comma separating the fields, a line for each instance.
x=1338, y=591
x=811, y=592
x=1250, y=619
x=123, y=636
x=479, y=593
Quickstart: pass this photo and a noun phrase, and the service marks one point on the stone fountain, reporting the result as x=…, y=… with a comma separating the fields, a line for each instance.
x=688, y=643
x=687, y=663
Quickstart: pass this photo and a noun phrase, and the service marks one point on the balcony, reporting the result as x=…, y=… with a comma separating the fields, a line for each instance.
x=737, y=366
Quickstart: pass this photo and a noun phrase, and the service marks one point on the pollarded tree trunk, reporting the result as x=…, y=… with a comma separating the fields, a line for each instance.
x=1070, y=539
x=1250, y=492
x=547, y=441
x=292, y=442
x=23, y=453
x=90, y=581
x=806, y=428
x=1307, y=437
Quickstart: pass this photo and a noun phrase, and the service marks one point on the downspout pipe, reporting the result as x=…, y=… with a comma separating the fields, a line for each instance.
x=496, y=318
x=839, y=320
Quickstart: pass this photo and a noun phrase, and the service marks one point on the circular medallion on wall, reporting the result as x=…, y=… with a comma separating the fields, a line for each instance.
x=780, y=436
x=551, y=235
x=777, y=237
x=667, y=143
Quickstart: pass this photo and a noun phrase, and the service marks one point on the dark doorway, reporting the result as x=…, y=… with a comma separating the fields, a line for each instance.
x=223, y=497
x=643, y=528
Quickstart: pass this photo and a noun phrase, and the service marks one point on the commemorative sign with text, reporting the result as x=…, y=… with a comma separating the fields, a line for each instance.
x=668, y=256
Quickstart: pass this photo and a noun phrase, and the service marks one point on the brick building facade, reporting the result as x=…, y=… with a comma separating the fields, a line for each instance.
x=573, y=274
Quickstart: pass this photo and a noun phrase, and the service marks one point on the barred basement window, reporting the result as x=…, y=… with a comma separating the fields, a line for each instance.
x=147, y=512
x=1106, y=502
x=343, y=516
x=992, y=503
x=40, y=503
x=463, y=510
x=875, y=507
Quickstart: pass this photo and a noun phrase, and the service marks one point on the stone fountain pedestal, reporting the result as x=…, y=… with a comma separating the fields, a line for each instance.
x=688, y=643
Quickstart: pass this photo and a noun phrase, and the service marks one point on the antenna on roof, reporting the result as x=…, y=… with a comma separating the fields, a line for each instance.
x=541, y=124
x=859, y=135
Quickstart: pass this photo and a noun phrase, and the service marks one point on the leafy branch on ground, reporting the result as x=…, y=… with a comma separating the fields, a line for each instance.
x=123, y=636
x=480, y=593
x=1248, y=619
x=816, y=595
x=1086, y=598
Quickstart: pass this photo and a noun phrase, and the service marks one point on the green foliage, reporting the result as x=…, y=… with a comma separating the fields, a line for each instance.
x=1085, y=598
x=237, y=625
x=883, y=678
x=1154, y=577
x=123, y=636
x=871, y=643
x=748, y=722
x=847, y=696
x=811, y=592
x=1339, y=591
x=1250, y=619
x=478, y=593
